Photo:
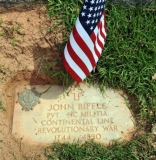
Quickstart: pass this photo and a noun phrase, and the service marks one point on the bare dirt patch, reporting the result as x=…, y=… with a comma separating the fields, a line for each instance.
x=26, y=43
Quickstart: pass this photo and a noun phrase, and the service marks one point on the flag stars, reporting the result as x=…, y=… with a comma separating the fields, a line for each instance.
x=91, y=8
x=88, y=21
x=93, y=21
x=92, y=1
x=94, y=15
x=89, y=15
x=91, y=28
x=83, y=14
x=84, y=7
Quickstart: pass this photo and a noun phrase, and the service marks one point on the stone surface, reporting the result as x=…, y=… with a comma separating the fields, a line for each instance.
x=77, y=113
x=154, y=129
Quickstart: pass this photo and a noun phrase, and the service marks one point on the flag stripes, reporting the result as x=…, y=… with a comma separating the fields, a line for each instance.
x=83, y=51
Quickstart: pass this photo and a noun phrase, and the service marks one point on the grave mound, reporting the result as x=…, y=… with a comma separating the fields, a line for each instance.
x=43, y=112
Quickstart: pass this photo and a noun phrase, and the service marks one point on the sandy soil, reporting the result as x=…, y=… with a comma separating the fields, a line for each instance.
x=25, y=45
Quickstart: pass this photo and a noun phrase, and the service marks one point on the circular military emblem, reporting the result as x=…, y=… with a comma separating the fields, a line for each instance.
x=28, y=98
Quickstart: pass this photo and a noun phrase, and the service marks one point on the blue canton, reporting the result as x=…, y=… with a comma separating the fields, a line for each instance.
x=91, y=13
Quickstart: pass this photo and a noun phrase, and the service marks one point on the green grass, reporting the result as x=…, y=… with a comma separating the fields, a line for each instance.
x=64, y=13
x=1, y=107
x=128, y=62
x=139, y=148
x=129, y=56
x=9, y=32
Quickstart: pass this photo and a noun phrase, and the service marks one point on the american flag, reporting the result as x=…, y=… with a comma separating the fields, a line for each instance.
x=86, y=40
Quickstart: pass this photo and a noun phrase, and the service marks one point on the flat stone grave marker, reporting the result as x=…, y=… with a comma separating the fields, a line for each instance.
x=70, y=114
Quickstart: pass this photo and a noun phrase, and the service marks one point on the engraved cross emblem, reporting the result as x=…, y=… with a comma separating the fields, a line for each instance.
x=77, y=92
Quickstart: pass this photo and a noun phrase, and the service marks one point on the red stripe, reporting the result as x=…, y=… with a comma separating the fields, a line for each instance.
x=70, y=70
x=105, y=21
x=98, y=39
x=99, y=42
x=97, y=52
x=93, y=37
x=99, y=24
x=104, y=39
x=83, y=46
x=76, y=59
x=102, y=34
x=81, y=43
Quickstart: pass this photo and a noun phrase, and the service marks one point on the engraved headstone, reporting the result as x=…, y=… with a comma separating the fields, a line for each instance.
x=76, y=113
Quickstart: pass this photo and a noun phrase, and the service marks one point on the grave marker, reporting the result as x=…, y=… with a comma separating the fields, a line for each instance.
x=77, y=113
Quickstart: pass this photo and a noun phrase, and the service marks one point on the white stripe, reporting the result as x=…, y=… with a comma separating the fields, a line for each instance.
x=80, y=53
x=96, y=42
x=83, y=34
x=73, y=65
x=101, y=38
x=97, y=45
x=96, y=30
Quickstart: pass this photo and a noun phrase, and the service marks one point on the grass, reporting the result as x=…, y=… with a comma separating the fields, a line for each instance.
x=128, y=62
x=129, y=56
x=139, y=148
x=1, y=106
x=9, y=32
